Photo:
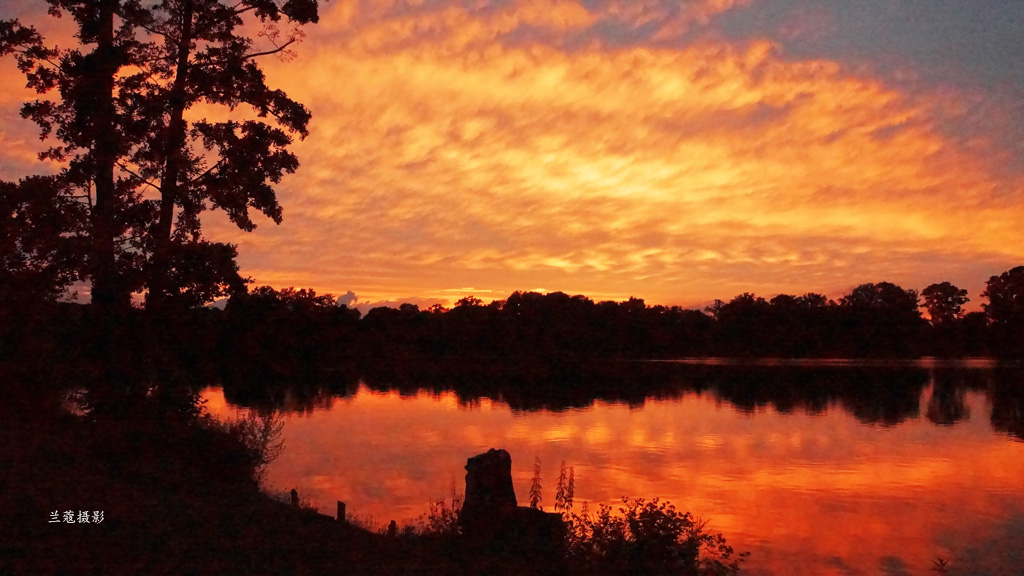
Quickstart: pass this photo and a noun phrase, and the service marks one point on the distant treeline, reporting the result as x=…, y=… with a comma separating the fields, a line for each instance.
x=873, y=320
x=291, y=331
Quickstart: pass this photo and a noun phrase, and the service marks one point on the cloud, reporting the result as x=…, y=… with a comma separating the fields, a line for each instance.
x=348, y=299
x=422, y=303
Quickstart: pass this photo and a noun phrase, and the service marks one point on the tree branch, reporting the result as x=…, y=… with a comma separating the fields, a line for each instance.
x=233, y=13
x=144, y=180
x=153, y=30
x=269, y=52
x=207, y=171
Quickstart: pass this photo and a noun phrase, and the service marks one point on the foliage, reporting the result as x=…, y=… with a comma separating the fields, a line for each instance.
x=944, y=302
x=565, y=489
x=873, y=320
x=202, y=272
x=469, y=301
x=302, y=300
x=260, y=436
x=881, y=319
x=41, y=247
x=287, y=333
x=442, y=518
x=535, y=486
x=117, y=103
x=882, y=296
x=367, y=523
x=1005, y=295
x=1005, y=310
x=647, y=538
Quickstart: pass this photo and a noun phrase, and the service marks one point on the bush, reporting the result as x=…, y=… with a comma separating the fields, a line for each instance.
x=443, y=517
x=258, y=435
x=648, y=538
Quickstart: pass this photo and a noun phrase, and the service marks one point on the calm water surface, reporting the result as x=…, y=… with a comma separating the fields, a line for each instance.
x=809, y=485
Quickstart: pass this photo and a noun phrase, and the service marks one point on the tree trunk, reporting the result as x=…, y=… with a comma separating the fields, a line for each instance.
x=116, y=392
x=171, y=174
x=107, y=295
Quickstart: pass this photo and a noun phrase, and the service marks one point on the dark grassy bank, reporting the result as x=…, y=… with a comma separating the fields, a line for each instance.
x=174, y=506
x=175, y=498
x=178, y=494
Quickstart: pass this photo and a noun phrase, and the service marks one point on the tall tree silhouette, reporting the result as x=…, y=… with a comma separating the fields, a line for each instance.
x=124, y=133
x=206, y=56
x=1005, y=309
x=944, y=302
x=882, y=319
x=86, y=119
x=1005, y=295
x=743, y=323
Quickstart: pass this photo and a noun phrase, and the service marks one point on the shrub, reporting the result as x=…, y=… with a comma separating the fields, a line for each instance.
x=443, y=517
x=258, y=435
x=648, y=538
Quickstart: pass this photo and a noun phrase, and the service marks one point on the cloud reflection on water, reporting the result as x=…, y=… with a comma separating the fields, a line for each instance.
x=796, y=488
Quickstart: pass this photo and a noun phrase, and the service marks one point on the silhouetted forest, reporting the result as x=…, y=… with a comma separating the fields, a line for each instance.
x=873, y=321
x=290, y=333
x=288, y=336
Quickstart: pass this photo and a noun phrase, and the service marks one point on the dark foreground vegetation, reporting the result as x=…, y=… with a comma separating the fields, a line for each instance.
x=180, y=493
x=176, y=498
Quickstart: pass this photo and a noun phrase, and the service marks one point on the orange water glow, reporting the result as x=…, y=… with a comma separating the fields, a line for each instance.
x=809, y=494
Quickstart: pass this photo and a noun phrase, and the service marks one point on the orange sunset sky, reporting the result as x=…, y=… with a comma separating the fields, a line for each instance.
x=674, y=150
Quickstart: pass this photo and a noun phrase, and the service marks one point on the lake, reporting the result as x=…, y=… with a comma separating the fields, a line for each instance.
x=827, y=467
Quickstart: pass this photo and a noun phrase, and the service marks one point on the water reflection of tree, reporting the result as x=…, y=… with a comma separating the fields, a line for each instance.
x=1007, y=397
x=888, y=399
x=301, y=394
x=885, y=396
x=948, y=403
x=524, y=385
x=876, y=395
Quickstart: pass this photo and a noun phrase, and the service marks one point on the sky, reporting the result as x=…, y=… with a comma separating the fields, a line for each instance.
x=677, y=151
